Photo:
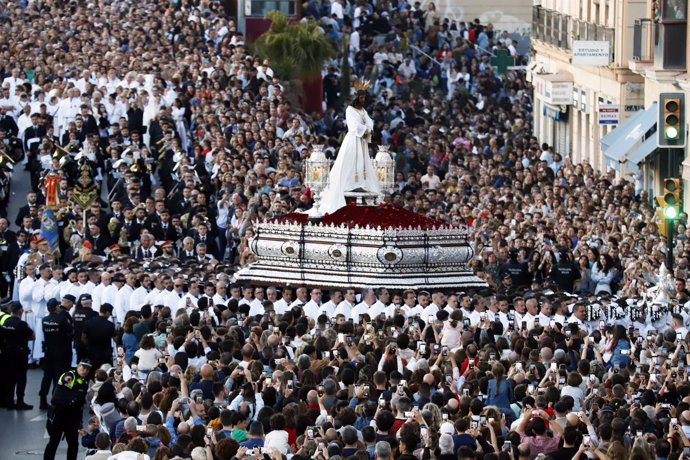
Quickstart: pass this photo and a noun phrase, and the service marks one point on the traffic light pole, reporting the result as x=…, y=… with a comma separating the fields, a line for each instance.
x=669, y=244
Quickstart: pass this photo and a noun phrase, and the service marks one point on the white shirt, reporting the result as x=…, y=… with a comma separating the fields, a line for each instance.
x=337, y=9
x=138, y=298
x=344, y=308
x=38, y=294
x=327, y=309
x=280, y=306
x=121, y=306
x=25, y=293
x=311, y=310
x=256, y=307
x=359, y=310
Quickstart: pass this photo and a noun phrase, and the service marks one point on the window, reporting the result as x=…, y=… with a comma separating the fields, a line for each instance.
x=674, y=9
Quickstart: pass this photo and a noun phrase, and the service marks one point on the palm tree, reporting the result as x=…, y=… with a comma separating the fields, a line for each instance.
x=297, y=51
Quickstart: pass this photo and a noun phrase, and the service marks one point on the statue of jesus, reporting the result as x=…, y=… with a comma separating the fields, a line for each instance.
x=353, y=169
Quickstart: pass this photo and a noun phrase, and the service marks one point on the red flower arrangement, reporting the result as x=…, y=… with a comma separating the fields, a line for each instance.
x=384, y=216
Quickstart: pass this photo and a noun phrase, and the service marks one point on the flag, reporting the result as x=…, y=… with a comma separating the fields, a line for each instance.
x=49, y=228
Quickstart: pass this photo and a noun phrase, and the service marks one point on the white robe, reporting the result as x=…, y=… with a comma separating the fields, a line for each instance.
x=353, y=168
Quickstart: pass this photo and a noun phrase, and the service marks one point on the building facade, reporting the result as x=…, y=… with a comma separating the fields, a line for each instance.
x=579, y=69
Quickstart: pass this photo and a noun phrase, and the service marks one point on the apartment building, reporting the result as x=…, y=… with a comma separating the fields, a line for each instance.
x=581, y=51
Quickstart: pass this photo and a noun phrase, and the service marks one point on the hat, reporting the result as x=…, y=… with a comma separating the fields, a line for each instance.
x=115, y=247
x=85, y=363
x=69, y=297
x=167, y=244
x=85, y=298
x=41, y=240
x=52, y=304
x=5, y=302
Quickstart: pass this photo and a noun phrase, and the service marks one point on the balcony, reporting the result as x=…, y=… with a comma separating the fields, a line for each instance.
x=551, y=27
x=659, y=46
x=560, y=30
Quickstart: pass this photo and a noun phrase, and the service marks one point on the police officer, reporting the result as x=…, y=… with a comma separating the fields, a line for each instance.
x=98, y=336
x=17, y=336
x=66, y=412
x=82, y=314
x=57, y=333
x=5, y=306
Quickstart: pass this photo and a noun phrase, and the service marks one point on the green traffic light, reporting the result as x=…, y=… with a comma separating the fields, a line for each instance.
x=671, y=132
x=670, y=212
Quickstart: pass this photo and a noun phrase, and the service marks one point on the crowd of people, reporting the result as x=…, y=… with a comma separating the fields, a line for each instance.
x=189, y=141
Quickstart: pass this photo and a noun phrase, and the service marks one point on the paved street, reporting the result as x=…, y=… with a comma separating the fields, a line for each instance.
x=21, y=185
x=26, y=436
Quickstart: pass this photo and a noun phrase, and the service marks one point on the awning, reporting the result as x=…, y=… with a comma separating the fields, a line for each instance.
x=643, y=150
x=622, y=140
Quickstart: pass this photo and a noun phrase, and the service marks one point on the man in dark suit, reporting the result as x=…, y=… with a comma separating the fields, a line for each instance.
x=31, y=200
x=33, y=135
x=202, y=235
x=188, y=251
x=9, y=256
x=131, y=225
x=98, y=240
x=146, y=249
x=164, y=230
x=90, y=124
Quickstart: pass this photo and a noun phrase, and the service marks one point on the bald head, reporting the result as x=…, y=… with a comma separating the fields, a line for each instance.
x=429, y=379
x=312, y=397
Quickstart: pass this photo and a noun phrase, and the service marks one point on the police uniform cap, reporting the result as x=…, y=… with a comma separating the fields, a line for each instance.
x=85, y=363
x=85, y=298
x=5, y=302
x=52, y=304
x=69, y=297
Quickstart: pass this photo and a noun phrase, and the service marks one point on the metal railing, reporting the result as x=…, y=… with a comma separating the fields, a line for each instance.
x=551, y=27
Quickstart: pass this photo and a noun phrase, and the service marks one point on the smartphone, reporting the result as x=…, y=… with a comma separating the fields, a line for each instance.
x=445, y=350
x=465, y=391
x=554, y=367
x=348, y=340
x=592, y=378
x=561, y=380
x=199, y=400
x=310, y=433
x=595, y=391
x=586, y=440
x=492, y=356
x=268, y=381
x=602, y=324
x=444, y=417
x=530, y=388
x=524, y=324
x=408, y=414
x=341, y=337
x=382, y=316
x=209, y=431
x=552, y=324
x=290, y=384
x=382, y=402
x=507, y=446
x=482, y=420
x=168, y=330
x=321, y=390
x=424, y=432
x=276, y=330
x=430, y=318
